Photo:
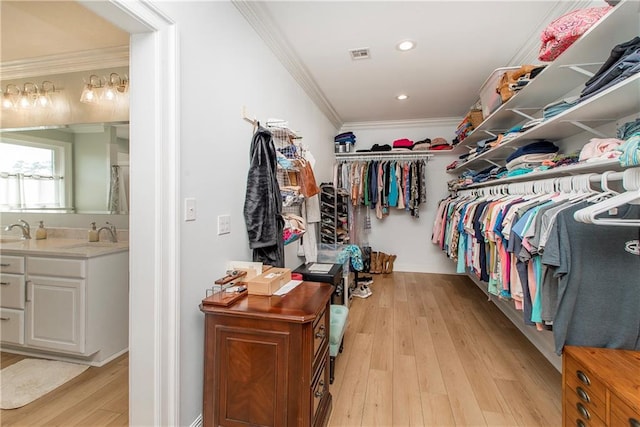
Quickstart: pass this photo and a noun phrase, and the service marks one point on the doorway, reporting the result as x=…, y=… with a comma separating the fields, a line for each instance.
x=154, y=230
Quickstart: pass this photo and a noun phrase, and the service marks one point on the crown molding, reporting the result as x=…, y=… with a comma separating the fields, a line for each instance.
x=528, y=53
x=403, y=124
x=65, y=63
x=258, y=17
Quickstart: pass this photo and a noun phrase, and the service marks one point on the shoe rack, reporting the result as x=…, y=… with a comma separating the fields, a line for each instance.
x=334, y=215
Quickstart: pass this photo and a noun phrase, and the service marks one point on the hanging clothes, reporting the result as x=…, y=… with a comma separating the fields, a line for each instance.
x=383, y=185
x=263, y=202
x=577, y=279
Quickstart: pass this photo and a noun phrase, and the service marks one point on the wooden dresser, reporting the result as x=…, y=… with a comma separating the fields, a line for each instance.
x=266, y=360
x=600, y=387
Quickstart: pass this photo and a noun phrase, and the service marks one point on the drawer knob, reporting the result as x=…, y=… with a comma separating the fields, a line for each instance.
x=321, y=332
x=583, y=411
x=583, y=394
x=5, y=264
x=5, y=283
x=5, y=318
x=583, y=377
x=579, y=423
x=320, y=393
x=633, y=422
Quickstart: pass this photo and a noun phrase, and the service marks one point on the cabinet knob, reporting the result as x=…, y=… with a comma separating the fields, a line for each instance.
x=583, y=377
x=583, y=411
x=320, y=393
x=321, y=332
x=633, y=422
x=583, y=394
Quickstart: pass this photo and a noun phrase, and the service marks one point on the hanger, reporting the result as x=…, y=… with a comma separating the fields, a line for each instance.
x=631, y=183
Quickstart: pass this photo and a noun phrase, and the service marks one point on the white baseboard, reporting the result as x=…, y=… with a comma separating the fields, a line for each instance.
x=197, y=422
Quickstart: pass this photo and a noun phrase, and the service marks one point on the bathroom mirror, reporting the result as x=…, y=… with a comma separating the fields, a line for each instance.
x=79, y=168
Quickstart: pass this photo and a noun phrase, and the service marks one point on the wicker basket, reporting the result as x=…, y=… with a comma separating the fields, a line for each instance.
x=475, y=118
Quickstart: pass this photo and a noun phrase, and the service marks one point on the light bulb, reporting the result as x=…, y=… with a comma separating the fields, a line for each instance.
x=109, y=93
x=7, y=103
x=25, y=102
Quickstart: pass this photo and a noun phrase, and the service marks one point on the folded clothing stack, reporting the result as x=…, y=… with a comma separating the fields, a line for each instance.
x=623, y=62
x=525, y=159
x=440, y=144
x=599, y=149
x=345, y=139
x=402, y=144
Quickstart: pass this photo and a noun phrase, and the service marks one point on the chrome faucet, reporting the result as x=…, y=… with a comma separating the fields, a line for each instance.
x=24, y=226
x=113, y=236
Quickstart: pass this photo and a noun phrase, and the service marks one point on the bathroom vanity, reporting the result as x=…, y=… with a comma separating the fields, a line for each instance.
x=65, y=299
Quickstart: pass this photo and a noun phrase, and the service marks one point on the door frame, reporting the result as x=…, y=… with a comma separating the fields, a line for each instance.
x=154, y=297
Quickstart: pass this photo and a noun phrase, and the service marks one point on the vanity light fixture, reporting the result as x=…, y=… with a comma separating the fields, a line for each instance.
x=10, y=97
x=405, y=45
x=90, y=92
x=28, y=95
x=402, y=97
x=43, y=99
x=114, y=86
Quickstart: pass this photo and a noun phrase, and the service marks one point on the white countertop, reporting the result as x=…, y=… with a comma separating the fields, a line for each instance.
x=61, y=247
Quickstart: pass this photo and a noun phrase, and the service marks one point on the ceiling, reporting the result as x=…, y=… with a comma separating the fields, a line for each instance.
x=459, y=43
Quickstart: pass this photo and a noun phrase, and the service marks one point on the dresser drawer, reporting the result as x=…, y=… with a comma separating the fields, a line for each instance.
x=576, y=375
x=11, y=264
x=320, y=334
x=623, y=414
x=12, y=290
x=12, y=326
x=590, y=414
x=60, y=267
x=320, y=387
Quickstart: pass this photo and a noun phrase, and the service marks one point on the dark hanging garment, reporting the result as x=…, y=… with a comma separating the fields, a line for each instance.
x=263, y=203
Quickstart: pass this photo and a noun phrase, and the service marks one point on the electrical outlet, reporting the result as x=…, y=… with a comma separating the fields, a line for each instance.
x=190, y=209
x=224, y=224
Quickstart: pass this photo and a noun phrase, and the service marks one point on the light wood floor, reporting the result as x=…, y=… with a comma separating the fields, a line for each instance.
x=430, y=350
x=423, y=350
x=97, y=397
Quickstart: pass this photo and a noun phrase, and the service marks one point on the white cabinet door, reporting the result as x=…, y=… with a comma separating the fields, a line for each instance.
x=56, y=313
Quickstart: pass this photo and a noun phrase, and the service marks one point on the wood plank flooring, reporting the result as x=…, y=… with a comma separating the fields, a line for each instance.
x=423, y=350
x=430, y=350
x=97, y=397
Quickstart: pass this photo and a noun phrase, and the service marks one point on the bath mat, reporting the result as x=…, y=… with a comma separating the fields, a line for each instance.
x=25, y=381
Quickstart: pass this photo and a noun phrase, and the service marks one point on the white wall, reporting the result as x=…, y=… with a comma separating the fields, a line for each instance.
x=407, y=237
x=224, y=65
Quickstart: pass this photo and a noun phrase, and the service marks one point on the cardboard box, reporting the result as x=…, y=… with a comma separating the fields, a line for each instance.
x=269, y=282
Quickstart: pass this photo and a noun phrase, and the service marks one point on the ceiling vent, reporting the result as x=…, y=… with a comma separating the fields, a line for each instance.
x=361, y=53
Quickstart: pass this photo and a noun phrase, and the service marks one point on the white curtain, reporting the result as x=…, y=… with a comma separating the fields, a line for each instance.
x=20, y=191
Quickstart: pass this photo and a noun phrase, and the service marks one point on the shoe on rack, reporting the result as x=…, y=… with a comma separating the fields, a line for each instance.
x=360, y=292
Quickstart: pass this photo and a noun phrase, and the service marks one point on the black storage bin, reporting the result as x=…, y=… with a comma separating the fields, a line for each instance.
x=333, y=276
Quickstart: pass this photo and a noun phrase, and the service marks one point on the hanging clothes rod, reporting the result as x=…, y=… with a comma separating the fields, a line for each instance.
x=383, y=155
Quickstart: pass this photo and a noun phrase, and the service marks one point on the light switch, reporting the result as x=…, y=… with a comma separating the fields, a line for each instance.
x=190, y=209
x=224, y=224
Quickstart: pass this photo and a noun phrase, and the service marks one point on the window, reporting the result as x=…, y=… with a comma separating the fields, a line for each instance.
x=33, y=174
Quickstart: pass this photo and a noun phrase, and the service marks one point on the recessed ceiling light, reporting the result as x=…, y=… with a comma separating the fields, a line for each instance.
x=402, y=97
x=405, y=45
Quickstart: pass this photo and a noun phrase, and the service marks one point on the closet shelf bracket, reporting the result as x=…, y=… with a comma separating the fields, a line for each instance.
x=492, y=162
x=587, y=128
x=578, y=68
x=523, y=114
